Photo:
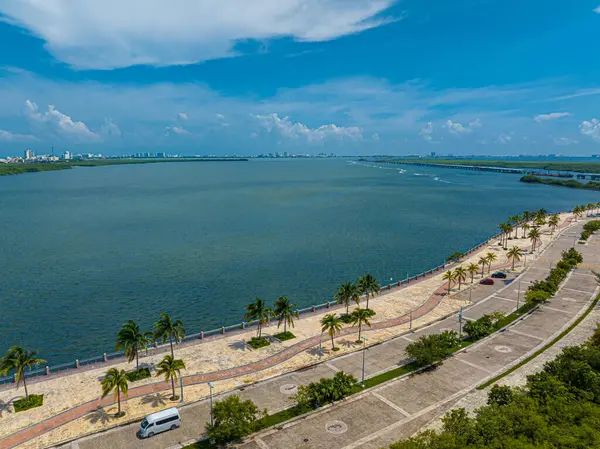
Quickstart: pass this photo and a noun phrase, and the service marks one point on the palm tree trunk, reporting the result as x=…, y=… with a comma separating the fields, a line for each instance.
x=513, y=263
x=472, y=278
x=173, y=385
x=332, y=343
x=347, y=307
x=118, y=401
x=359, y=329
x=284, y=325
x=259, y=329
x=367, y=300
x=171, y=343
x=137, y=361
x=25, y=385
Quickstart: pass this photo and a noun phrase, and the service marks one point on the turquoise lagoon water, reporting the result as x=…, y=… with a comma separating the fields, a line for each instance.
x=83, y=250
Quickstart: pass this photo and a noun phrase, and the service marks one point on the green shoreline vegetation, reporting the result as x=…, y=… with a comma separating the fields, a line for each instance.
x=579, y=167
x=571, y=183
x=18, y=169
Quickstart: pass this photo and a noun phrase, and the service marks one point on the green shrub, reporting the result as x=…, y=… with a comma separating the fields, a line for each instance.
x=233, y=419
x=432, y=348
x=500, y=395
x=346, y=318
x=142, y=373
x=34, y=400
x=283, y=336
x=258, y=343
x=455, y=256
x=589, y=228
x=326, y=390
x=482, y=327
x=537, y=296
x=572, y=253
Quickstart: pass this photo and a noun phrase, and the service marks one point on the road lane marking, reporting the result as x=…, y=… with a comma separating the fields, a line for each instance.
x=472, y=365
x=524, y=334
x=334, y=368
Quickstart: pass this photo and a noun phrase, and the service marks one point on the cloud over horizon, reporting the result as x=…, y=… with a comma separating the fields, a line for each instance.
x=88, y=34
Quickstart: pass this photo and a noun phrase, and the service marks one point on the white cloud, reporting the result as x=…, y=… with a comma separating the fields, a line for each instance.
x=551, y=116
x=426, y=132
x=177, y=130
x=564, y=141
x=89, y=34
x=285, y=127
x=60, y=122
x=375, y=136
x=7, y=136
x=503, y=139
x=220, y=116
x=110, y=128
x=597, y=9
x=182, y=116
x=458, y=129
x=590, y=128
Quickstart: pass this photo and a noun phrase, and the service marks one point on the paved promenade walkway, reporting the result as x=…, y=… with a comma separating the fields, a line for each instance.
x=155, y=390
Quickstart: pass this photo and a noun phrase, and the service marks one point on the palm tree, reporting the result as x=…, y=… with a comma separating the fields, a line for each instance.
x=17, y=359
x=527, y=216
x=472, y=268
x=332, y=325
x=515, y=254
x=284, y=310
x=258, y=311
x=368, y=285
x=171, y=369
x=534, y=236
x=553, y=221
x=541, y=213
x=361, y=316
x=577, y=212
x=516, y=221
x=460, y=275
x=347, y=292
x=132, y=340
x=483, y=262
x=165, y=328
x=540, y=221
x=490, y=257
x=448, y=276
x=115, y=381
x=525, y=227
x=505, y=228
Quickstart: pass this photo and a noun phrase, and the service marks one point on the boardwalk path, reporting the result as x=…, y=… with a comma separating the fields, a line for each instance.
x=77, y=412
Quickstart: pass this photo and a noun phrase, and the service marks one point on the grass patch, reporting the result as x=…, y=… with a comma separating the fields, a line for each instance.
x=283, y=336
x=258, y=343
x=134, y=376
x=544, y=348
x=35, y=400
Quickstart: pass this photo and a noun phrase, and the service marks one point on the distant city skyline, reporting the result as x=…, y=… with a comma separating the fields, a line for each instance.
x=319, y=76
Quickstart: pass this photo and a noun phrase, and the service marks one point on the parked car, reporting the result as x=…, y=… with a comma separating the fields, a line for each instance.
x=499, y=275
x=487, y=281
x=160, y=422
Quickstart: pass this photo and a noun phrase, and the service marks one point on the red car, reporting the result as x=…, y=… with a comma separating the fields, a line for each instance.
x=487, y=281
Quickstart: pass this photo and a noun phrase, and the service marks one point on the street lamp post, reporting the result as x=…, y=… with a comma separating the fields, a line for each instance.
x=460, y=316
x=363, y=361
x=181, y=387
x=321, y=347
x=211, y=403
x=518, y=295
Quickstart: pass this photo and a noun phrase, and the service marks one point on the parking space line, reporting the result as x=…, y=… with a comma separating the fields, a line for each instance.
x=506, y=299
x=583, y=274
x=558, y=310
x=472, y=365
x=391, y=404
x=524, y=334
x=261, y=443
x=334, y=368
x=575, y=290
x=397, y=424
x=407, y=339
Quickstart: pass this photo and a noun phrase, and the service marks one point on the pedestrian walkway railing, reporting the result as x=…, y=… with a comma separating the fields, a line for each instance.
x=214, y=333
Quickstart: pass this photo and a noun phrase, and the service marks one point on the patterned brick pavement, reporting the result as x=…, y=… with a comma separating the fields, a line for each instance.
x=77, y=412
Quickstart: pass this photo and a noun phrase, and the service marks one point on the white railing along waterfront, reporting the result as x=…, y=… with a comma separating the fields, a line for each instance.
x=222, y=331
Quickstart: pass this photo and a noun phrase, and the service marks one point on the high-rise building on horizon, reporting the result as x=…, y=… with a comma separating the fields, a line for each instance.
x=29, y=154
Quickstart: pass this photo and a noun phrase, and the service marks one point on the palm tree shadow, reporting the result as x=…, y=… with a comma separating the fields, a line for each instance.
x=99, y=416
x=239, y=345
x=5, y=407
x=156, y=399
x=347, y=343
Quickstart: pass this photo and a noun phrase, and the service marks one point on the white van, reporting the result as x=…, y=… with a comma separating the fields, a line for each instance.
x=162, y=421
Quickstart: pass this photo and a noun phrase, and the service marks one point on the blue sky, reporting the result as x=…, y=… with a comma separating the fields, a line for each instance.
x=342, y=76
